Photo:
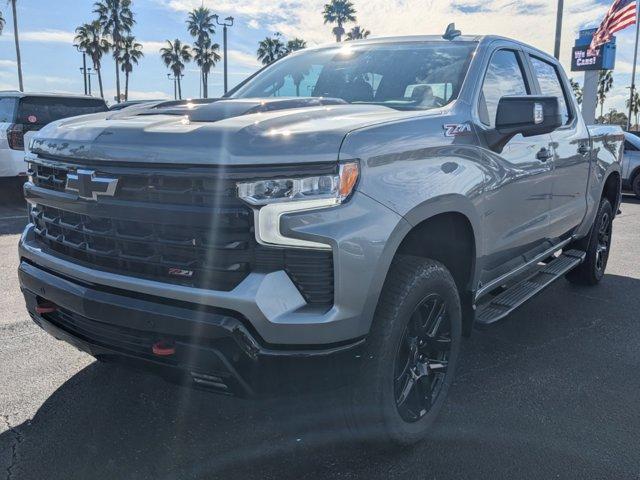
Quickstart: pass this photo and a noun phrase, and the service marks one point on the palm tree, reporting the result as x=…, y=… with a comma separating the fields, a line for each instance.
x=89, y=38
x=200, y=25
x=339, y=12
x=130, y=54
x=2, y=23
x=605, y=83
x=17, y=42
x=634, y=103
x=295, y=44
x=116, y=19
x=271, y=49
x=358, y=33
x=577, y=90
x=174, y=56
x=206, y=56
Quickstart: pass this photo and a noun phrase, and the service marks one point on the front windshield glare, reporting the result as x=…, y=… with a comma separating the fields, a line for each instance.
x=403, y=76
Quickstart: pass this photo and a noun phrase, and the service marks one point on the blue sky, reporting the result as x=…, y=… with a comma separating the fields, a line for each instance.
x=51, y=63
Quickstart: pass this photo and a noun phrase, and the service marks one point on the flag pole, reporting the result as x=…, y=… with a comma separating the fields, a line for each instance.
x=635, y=62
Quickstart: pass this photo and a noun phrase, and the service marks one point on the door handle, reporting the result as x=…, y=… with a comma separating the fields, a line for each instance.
x=583, y=149
x=544, y=154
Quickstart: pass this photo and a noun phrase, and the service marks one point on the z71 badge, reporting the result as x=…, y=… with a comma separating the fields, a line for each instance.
x=456, y=129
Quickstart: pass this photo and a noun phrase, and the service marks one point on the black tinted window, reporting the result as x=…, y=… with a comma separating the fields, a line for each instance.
x=404, y=76
x=504, y=78
x=43, y=110
x=550, y=84
x=629, y=147
x=7, y=110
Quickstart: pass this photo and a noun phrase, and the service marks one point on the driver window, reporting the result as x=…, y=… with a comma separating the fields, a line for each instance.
x=504, y=78
x=629, y=147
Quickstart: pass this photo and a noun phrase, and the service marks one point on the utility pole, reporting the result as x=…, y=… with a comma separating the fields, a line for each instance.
x=17, y=41
x=89, y=79
x=228, y=22
x=635, y=63
x=84, y=67
x=556, y=50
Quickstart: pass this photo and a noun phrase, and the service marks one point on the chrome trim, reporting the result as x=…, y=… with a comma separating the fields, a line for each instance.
x=267, y=222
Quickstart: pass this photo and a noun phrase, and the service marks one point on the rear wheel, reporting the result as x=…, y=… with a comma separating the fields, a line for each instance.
x=597, y=246
x=635, y=185
x=411, y=355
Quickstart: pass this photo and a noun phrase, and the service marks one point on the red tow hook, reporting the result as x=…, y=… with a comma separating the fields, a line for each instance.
x=46, y=307
x=164, y=348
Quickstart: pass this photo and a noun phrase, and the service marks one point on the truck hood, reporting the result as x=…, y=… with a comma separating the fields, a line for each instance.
x=225, y=132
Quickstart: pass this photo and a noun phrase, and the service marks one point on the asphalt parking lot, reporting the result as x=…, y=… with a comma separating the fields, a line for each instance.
x=552, y=392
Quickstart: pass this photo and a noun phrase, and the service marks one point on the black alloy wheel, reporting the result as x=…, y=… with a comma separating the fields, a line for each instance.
x=422, y=359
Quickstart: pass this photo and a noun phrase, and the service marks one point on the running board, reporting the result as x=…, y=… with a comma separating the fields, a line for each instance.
x=507, y=301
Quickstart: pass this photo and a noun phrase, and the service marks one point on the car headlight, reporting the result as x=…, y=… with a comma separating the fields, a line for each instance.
x=335, y=186
x=276, y=197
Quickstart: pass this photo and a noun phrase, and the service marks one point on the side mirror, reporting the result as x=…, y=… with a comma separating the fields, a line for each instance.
x=526, y=115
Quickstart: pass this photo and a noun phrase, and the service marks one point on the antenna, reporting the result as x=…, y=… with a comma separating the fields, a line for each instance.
x=451, y=32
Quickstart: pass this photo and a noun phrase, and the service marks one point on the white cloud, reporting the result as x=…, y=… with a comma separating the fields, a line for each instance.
x=8, y=64
x=48, y=36
x=152, y=46
x=243, y=59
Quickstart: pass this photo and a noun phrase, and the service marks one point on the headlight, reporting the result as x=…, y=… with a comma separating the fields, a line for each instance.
x=277, y=197
x=336, y=187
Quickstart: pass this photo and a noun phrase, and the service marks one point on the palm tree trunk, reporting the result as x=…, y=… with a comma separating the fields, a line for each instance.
x=100, y=83
x=602, y=108
x=338, y=34
x=117, y=81
x=15, y=37
x=126, y=86
x=179, y=89
x=205, y=86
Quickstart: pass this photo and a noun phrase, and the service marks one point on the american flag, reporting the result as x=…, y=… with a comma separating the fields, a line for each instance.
x=621, y=14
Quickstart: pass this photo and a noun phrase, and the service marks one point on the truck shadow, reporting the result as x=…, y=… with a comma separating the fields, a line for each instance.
x=520, y=393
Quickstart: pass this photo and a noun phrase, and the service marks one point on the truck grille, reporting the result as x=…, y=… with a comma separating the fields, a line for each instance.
x=174, y=226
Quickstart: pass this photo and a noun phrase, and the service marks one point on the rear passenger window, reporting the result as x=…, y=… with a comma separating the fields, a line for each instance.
x=629, y=147
x=550, y=84
x=504, y=78
x=7, y=110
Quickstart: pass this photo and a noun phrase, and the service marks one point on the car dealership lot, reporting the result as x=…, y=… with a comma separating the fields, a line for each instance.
x=552, y=391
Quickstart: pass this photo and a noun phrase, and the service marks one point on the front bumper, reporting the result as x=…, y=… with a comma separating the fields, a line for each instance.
x=213, y=348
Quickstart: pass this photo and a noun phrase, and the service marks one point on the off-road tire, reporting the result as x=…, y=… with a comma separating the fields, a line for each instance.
x=371, y=410
x=591, y=271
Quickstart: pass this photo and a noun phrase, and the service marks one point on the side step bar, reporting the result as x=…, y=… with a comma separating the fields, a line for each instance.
x=506, y=302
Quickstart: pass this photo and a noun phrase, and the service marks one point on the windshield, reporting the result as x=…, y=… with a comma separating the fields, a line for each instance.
x=403, y=76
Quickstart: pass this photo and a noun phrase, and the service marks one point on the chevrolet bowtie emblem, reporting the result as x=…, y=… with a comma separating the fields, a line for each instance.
x=89, y=186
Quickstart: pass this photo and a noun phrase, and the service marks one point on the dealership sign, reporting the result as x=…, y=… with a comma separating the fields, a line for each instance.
x=584, y=58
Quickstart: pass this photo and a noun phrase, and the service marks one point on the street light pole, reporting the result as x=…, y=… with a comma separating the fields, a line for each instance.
x=556, y=50
x=228, y=22
x=89, y=79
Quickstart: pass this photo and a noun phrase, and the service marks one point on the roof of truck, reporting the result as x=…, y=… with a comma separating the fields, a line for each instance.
x=481, y=39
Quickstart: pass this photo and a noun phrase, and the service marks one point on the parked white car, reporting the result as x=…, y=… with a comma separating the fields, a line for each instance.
x=21, y=113
x=631, y=164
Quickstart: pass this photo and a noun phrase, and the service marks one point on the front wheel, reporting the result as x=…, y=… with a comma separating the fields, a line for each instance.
x=411, y=354
x=597, y=246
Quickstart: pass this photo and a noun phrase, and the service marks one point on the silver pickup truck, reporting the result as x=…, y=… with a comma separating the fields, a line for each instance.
x=342, y=218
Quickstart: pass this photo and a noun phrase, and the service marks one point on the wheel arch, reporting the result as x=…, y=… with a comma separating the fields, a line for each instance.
x=455, y=243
